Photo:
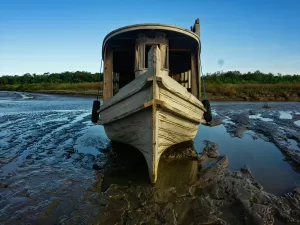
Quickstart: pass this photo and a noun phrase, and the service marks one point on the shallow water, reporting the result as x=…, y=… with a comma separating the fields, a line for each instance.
x=263, y=158
x=49, y=147
x=285, y=115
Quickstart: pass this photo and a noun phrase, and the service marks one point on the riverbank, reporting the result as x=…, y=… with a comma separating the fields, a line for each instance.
x=57, y=167
x=215, y=92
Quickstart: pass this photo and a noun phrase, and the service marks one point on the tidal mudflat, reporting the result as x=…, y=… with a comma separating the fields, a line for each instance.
x=56, y=167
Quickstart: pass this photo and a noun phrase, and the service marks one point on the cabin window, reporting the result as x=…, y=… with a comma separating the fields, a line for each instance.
x=123, y=68
x=147, y=50
x=180, y=67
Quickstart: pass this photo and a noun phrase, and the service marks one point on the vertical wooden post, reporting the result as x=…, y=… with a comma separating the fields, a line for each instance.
x=108, y=75
x=190, y=80
x=194, y=73
x=197, y=27
x=199, y=73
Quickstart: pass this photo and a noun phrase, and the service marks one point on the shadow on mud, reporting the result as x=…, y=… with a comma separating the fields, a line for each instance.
x=128, y=167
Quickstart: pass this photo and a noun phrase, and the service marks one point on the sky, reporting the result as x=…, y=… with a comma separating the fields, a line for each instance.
x=60, y=35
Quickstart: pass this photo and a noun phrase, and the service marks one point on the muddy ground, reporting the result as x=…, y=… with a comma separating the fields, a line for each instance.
x=58, y=168
x=191, y=189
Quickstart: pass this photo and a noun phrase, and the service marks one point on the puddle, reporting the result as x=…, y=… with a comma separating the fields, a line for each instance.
x=13, y=166
x=228, y=120
x=214, y=113
x=285, y=115
x=263, y=158
x=293, y=144
x=297, y=123
x=258, y=116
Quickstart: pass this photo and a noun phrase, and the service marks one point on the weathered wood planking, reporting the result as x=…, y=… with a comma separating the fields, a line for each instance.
x=177, y=89
x=173, y=129
x=108, y=75
x=179, y=105
x=194, y=72
x=154, y=67
x=152, y=113
x=130, y=89
x=135, y=130
x=128, y=106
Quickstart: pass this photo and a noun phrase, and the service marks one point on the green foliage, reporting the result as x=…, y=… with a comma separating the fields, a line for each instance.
x=257, y=77
x=230, y=77
x=51, y=78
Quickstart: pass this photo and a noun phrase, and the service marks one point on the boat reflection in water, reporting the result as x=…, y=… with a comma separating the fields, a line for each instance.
x=128, y=197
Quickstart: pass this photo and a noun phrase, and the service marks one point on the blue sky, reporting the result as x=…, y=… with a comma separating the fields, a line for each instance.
x=59, y=35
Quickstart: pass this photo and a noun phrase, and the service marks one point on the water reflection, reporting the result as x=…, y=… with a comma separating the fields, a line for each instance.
x=130, y=168
x=263, y=158
x=126, y=188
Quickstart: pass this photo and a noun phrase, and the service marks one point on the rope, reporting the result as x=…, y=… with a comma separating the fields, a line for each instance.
x=204, y=91
x=99, y=80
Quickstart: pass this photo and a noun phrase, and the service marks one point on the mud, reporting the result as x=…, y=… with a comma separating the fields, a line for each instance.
x=191, y=191
x=58, y=168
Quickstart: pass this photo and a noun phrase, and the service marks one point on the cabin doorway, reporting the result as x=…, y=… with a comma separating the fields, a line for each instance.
x=180, y=67
x=123, y=68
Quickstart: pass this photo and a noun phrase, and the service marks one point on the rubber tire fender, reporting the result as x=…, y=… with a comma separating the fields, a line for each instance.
x=95, y=113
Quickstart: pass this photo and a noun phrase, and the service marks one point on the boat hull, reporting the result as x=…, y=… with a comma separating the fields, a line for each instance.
x=152, y=113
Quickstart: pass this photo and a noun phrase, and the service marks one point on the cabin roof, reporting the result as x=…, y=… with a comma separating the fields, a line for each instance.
x=178, y=37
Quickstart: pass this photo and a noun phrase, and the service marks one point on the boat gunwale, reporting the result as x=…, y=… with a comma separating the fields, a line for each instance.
x=109, y=103
x=161, y=105
x=160, y=82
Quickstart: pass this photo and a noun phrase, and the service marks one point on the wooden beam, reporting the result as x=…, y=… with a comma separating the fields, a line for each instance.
x=199, y=72
x=179, y=50
x=197, y=27
x=194, y=74
x=108, y=75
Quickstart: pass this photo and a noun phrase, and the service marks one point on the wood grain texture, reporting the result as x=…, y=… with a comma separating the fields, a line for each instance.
x=155, y=68
x=194, y=73
x=152, y=113
x=126, y=107
x=173, y=129
x=108, y=75
x=128, y=90
x=177, y=89
x=136, y=131
x=199, y=71
x=177, y=104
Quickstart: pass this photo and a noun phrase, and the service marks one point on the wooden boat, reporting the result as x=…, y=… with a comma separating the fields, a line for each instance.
x=151, y=88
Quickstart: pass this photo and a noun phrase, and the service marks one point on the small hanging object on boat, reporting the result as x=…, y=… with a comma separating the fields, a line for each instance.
x=96, y=103
x=207, y=115
x=152, y=88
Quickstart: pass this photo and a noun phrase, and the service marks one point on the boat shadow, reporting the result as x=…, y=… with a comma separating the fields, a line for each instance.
x=177, y=168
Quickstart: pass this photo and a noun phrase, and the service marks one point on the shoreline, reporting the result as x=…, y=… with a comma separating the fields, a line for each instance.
x=210, y=97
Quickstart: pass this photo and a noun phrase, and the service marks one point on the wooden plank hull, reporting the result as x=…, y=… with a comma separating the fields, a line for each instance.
x=151, y=114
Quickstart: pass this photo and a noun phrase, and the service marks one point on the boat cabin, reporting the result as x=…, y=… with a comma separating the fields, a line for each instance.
x=125, y=54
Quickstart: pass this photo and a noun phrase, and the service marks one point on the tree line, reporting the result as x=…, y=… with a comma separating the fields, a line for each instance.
x=65, y=77
x=229, y=77
x=257, y=77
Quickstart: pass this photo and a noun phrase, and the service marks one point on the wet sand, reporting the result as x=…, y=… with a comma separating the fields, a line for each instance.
x=56, y=167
